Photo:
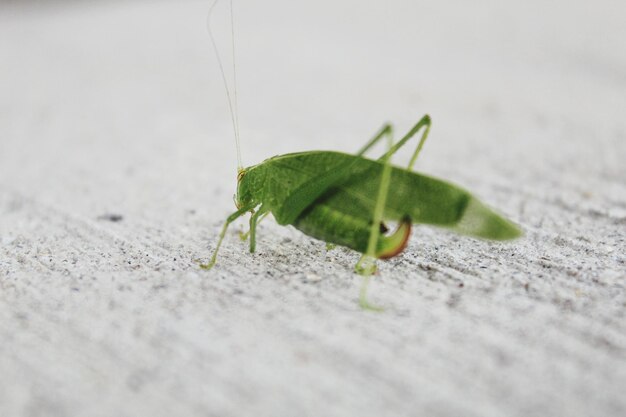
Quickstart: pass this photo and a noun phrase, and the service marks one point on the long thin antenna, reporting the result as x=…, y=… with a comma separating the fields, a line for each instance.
x=232, y=104
x=232, y=37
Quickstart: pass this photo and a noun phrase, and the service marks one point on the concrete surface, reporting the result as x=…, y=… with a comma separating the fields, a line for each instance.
x=116, y=108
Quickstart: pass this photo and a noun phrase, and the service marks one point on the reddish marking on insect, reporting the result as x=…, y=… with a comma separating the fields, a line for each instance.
x=405, y=228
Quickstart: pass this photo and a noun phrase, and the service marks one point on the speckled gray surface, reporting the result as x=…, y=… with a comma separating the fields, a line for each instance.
x=117, y=109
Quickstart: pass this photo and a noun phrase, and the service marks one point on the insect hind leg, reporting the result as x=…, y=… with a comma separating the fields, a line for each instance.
x=385, y=131
x=367, y=264
x=425, y=122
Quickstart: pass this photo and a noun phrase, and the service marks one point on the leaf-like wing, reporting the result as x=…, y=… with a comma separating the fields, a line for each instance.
x=349, y=184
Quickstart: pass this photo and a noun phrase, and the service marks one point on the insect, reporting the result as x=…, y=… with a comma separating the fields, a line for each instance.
x=348, y=200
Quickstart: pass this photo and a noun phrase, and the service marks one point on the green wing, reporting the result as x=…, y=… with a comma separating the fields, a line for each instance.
x=423, y=199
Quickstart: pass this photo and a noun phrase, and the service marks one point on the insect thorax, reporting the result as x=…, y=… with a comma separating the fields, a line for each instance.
x=250, y=184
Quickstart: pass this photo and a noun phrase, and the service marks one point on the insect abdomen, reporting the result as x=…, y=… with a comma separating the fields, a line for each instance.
x=329, y=225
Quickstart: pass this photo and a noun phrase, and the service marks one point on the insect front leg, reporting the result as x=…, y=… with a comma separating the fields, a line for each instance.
x=244, y=236
x=229, y=220
x=254, y=220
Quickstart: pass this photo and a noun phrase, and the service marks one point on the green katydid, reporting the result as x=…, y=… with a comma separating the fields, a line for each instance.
x=346, y=199
x=334, y=197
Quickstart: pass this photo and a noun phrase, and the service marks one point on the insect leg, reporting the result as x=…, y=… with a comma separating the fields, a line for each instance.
x=302, y=197
x=367, y=264
x=424, y=122
x=386, y=130
x=254, y=219
x=244, y=236
x=229, y=220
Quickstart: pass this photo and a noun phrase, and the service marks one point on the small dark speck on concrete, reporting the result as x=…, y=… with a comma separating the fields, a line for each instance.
x=453, y=300
x=115, y=218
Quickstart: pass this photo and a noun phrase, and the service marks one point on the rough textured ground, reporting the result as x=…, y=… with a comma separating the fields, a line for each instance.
x=117, y=109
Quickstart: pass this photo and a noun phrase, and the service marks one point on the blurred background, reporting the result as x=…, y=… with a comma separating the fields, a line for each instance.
x=118, y=86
